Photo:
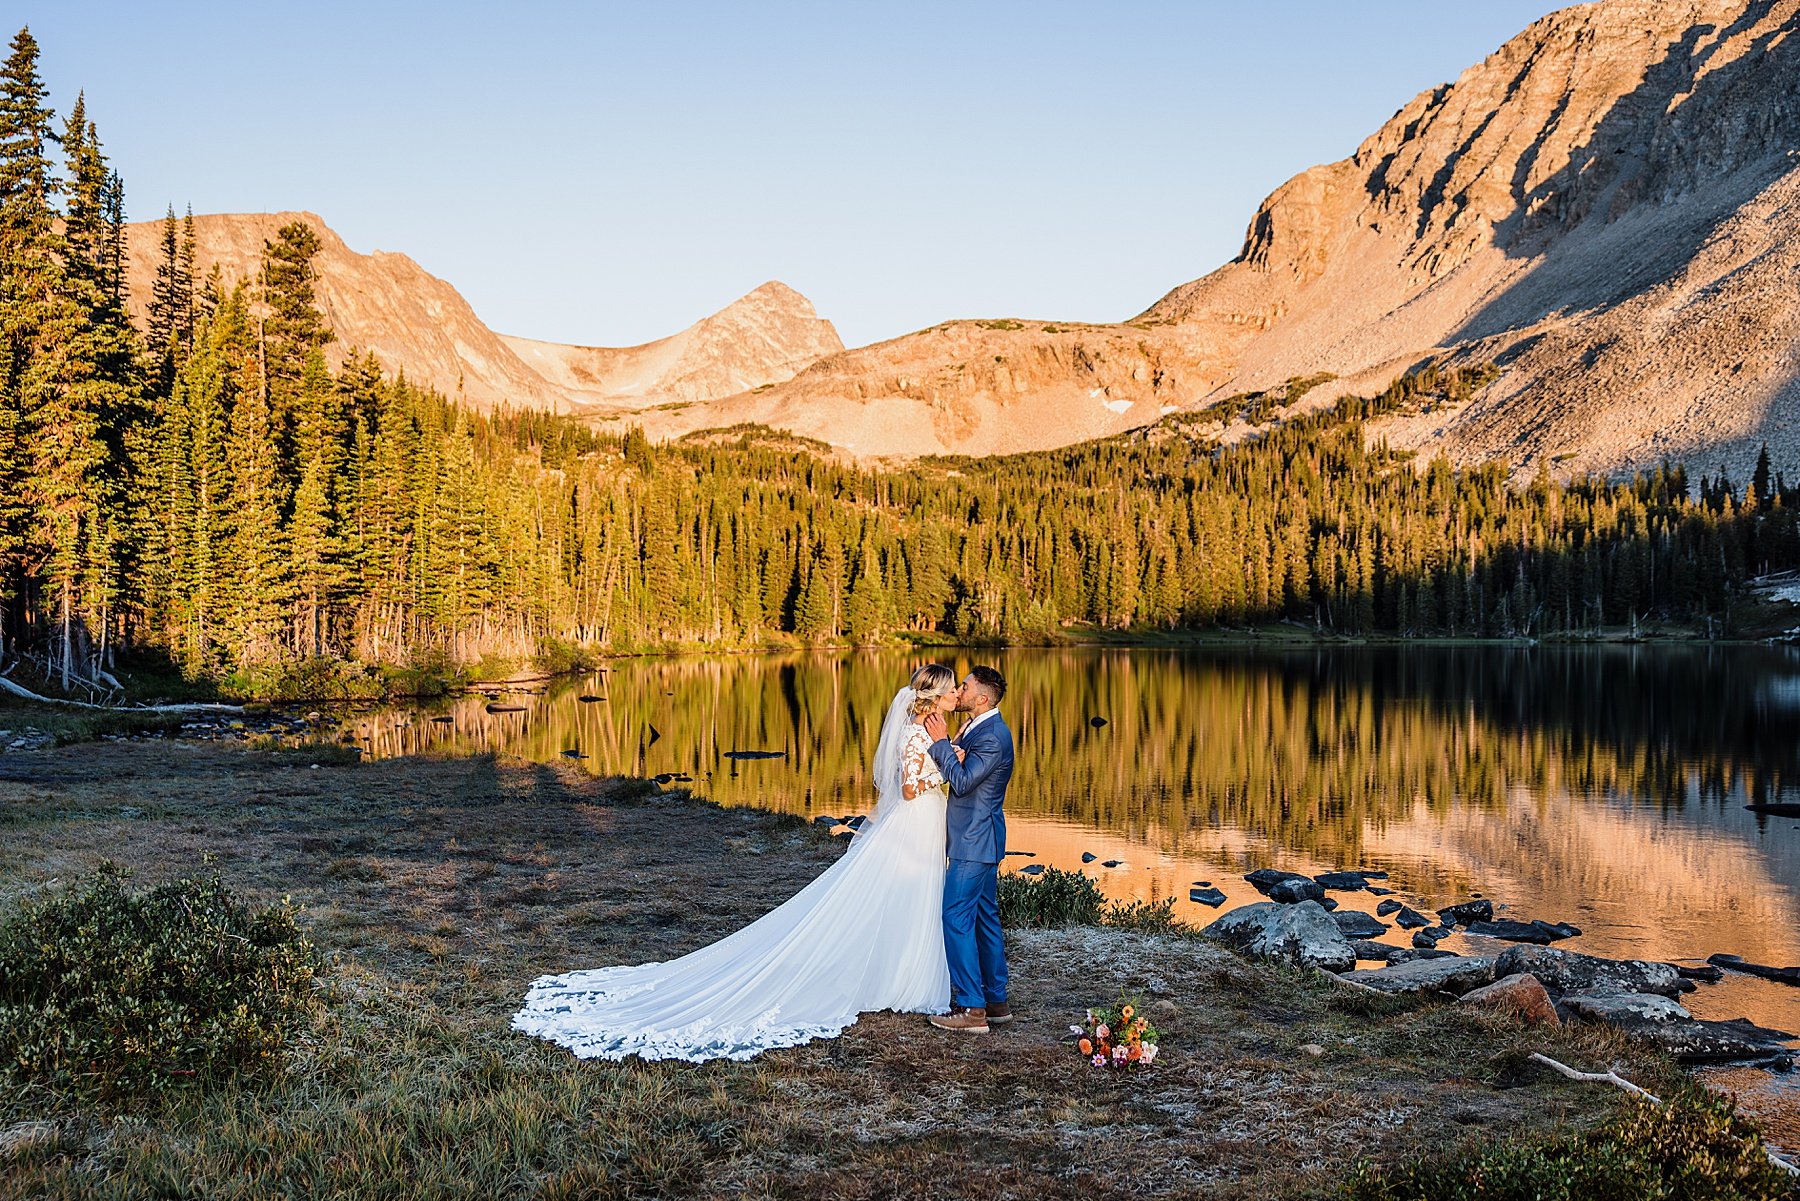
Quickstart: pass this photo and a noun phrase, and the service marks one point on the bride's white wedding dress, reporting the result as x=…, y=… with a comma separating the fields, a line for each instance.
x=866, y=935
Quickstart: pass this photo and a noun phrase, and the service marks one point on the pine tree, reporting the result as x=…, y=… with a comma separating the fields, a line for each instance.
x=255, y=539
x=28, y=274
x=167, y=318
x=82, y=431
x=292, y=331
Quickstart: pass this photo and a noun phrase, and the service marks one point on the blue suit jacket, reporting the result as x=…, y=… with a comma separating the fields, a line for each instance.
x=977, y=821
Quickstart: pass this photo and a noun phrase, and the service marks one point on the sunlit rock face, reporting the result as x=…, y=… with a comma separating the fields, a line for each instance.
x=418, y=324
x=1606, y=206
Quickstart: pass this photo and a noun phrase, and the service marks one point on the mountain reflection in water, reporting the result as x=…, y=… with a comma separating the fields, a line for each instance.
x=1603, y=786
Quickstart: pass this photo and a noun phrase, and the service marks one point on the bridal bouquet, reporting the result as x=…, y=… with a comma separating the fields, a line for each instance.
x=1117, y=1038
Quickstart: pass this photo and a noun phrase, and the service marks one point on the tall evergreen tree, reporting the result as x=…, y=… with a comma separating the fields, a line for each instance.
x=29, y=275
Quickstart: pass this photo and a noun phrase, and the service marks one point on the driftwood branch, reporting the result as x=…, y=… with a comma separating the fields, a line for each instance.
x=25, y=694
x=1607, y=1077
x=1611, y=1077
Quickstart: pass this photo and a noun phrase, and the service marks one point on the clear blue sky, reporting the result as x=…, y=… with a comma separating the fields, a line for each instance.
x=608, y=173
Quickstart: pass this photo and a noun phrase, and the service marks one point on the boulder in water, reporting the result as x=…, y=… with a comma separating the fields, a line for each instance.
x=1408, y=918
x=1466, y=912
x=1356, y=924
x=1265, y=878
x=1511, y=931
x=1737, y=963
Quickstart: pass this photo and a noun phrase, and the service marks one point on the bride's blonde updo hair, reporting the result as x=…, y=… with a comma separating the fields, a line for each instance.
x=932, y=682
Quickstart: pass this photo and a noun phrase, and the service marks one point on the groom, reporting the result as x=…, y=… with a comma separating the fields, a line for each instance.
x=977, y=843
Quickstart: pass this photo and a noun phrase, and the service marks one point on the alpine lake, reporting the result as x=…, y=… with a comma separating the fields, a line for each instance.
x=1605, y=786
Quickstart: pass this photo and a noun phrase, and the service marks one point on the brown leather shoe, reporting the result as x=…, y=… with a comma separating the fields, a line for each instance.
x=966, y=1021
x=999, y=1013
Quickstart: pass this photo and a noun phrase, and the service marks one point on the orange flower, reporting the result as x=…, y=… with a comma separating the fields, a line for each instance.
x=1087, y=1047
x=1125, y=1013
x=1133, y=1054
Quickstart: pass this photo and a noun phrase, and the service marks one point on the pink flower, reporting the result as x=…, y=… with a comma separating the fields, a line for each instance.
x=1103, y=1032
x=1099, y=1061
x=1119, y=1054
x=1149, y=1054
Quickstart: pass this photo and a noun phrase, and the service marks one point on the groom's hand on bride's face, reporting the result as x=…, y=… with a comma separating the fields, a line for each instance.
x=936, y=726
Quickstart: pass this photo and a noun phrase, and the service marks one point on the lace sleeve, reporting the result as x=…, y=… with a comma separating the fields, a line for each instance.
x=917, y=772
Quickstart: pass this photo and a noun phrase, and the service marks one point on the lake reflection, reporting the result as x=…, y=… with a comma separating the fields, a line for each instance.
x=1602, y=786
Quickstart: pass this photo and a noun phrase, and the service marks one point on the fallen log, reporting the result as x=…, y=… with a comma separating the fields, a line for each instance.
x=25, y=694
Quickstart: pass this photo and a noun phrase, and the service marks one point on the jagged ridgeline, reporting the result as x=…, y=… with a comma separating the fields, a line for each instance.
x=209, y=489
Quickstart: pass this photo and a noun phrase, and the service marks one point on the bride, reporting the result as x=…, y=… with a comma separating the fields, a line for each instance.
x=866, y=935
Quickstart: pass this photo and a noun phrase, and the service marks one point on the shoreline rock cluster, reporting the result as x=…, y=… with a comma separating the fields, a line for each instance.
x=1530, y=980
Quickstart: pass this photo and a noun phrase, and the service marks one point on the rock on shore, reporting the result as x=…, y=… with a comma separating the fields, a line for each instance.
x=1301, y=933
x=1456, y=974
x=1564, y=972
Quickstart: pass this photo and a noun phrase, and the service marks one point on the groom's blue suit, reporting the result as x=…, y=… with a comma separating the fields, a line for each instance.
x=976, y=845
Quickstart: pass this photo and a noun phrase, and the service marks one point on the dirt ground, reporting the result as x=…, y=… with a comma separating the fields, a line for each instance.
x=440, y=888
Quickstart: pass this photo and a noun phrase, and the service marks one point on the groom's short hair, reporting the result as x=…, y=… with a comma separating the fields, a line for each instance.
x=991, y=680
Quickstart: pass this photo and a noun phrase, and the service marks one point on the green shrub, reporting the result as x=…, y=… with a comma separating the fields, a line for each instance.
x=318, y=679
x=558, y=658
x=109, y=991
x=1056, y=898
x=1694, y=1147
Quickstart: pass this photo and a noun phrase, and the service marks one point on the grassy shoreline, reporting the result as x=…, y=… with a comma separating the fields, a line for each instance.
x=440, y=887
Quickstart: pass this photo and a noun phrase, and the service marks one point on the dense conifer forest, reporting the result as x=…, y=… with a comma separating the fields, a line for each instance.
x=206, y=486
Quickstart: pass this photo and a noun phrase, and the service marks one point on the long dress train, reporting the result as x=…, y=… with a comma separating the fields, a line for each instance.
x=865, y=935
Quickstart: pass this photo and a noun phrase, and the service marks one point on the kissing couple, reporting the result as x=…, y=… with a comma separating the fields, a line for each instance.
x=907, y=920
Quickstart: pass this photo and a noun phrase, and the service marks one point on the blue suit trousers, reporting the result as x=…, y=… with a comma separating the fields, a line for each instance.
x=972, y=938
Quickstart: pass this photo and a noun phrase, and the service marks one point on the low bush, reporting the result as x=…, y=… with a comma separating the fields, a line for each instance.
x=1056, y=898
x=107, y=991
x=1694, y=1147
x=320, y=679
x=558, y=658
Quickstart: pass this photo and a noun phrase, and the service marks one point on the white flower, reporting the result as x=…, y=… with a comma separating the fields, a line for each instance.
x=1074, y=1029
x=1147, y=1053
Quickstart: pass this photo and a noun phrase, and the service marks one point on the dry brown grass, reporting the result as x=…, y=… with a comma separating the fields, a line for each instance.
x=441, y=887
